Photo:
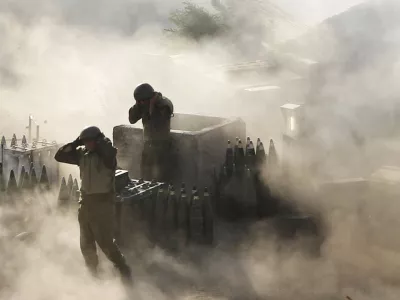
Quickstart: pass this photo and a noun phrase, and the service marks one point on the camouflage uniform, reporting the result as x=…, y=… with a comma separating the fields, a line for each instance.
x=156, y=155
x=96, y=210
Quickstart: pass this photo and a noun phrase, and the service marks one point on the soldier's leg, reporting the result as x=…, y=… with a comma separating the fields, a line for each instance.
x=145, y=163
x=103, y=229
x=164, y=161
x=87, y=240
x=152, y=161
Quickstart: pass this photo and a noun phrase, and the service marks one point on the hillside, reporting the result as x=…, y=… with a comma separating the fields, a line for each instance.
x=362, y=33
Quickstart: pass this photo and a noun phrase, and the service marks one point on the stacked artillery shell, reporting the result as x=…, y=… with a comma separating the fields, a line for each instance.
x=261, y=156
x=215, y=188
x=229, y=159
x=272, y=156
x=75, y=194
x=239, y=158
x=160, y=207
x=171, y=212
x=21, y=177
x=168, y=219
x=226, y=172
x=33, y=181
x=208, y=218
x=44, y=179
x=24, y=143
x=14, y=141
x=70, y=183
x=236, y=143
x=250, y=155
x=195, y=229
x=72, y=193
x=171, y=237
x=19, y=155
x=240, y=185
x=248, y=184
x=247, y=142
x=31, y=167
x=64, y=194
x=68, y=194
x=25, y=182
x=183, y=209
x=12, y=186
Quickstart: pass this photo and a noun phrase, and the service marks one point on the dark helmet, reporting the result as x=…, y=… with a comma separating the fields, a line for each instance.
x=90, y=133
x=143, y=92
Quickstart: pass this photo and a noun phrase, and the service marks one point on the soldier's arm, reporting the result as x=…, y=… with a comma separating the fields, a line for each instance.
x=107, y=152
x=68, y=154
x=134, y=114
x=165, y=106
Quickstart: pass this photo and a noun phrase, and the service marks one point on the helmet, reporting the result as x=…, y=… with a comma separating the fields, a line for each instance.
x=143, y=92
x=90, y=133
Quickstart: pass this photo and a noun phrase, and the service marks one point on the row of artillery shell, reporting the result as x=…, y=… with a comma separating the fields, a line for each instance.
x=167, y=211
x=69, y=192
x=240, y=156
x=27, y=179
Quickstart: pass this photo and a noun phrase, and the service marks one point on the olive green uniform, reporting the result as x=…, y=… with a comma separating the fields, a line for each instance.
x=96, y=210
x=156, y=160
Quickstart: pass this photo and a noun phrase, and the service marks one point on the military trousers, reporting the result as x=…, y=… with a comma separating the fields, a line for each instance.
x=96, y=222
x=157, y=160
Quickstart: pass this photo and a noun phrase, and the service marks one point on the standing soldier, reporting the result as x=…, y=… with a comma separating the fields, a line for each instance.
x=97, y=163
x=156, y=111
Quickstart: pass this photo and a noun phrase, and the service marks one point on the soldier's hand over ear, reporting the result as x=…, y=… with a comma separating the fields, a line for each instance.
x=108, y=153
x=78, y=142
x=105, y=147
x=100, y=137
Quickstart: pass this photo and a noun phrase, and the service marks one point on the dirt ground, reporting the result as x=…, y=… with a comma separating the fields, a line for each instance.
x=245, y=263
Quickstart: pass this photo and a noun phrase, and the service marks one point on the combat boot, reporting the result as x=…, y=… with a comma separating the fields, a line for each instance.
x=126, y=275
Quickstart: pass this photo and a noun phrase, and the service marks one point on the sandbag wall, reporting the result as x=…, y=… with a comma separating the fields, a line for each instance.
x=239, y=186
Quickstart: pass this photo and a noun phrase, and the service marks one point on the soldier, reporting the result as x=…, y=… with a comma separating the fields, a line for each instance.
x=156, y=111
x=97, y=163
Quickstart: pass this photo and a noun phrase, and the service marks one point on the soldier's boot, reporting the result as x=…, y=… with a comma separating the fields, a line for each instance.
x=126, y=274
x=113, y=253
x=93, y=270
x=91, y=260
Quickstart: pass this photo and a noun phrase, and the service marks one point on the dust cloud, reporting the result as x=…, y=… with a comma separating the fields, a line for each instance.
x=73, y=64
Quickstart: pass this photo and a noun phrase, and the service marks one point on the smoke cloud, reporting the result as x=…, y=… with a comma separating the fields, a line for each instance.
x=74, y=63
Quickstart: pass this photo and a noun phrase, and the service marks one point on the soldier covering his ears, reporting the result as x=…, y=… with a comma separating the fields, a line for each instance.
x=156, y=111
x=97, y=163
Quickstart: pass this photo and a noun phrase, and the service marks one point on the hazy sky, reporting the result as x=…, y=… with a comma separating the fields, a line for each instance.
x=312, y=11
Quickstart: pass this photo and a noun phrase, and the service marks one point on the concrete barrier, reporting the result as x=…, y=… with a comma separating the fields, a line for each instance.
x=199, y=143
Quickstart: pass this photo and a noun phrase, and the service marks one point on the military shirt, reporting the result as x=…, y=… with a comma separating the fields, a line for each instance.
x=157, y=123
x=97, y=168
